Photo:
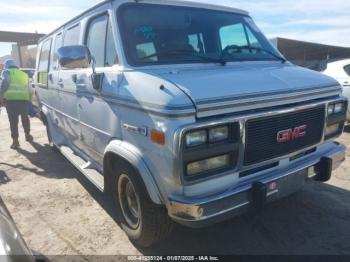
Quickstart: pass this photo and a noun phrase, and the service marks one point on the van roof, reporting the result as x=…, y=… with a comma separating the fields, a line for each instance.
x=163, y=2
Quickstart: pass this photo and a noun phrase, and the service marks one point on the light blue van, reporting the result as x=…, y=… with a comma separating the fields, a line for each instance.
x=184, y=112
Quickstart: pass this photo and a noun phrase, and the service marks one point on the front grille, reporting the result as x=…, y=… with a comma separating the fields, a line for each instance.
x=261, y=134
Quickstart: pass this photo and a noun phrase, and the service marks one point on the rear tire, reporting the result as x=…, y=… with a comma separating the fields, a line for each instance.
x=144, y=222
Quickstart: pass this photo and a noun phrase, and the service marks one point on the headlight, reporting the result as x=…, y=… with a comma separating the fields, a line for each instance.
x=335, y=119
x=196, y=138
x=209, y=164
x=217, y=134
x=335, y=108
x=338, y=108
x=330, y=109
x=210, y=150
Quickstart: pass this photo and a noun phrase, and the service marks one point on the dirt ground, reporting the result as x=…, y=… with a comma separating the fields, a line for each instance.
x=60, y=213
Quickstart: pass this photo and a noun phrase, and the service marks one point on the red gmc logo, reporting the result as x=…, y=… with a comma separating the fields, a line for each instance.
x=290, y=134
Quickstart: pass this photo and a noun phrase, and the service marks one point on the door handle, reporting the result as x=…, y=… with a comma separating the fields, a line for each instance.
x=50, y=77
x=74, y=78
x=81, y=86
x=60, y=83
x=346, y=83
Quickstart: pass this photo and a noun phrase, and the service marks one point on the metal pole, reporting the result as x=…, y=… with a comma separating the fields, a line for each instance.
x=19, y=55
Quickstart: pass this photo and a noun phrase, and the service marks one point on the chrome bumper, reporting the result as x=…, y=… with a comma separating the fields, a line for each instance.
x=203, y=211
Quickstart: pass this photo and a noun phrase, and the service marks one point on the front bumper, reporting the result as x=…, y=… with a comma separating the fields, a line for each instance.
x=255, y=194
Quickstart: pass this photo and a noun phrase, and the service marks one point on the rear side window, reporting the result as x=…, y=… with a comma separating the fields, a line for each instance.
x=71, y=36
x=44, y=62
x=99, y=40
x=347, y=69
x=57, y=45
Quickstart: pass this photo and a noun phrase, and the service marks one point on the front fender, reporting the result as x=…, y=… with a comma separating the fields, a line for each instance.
x=133, y=155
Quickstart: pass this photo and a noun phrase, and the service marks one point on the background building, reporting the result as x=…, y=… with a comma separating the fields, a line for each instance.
x=311, y=55
x=23, y=47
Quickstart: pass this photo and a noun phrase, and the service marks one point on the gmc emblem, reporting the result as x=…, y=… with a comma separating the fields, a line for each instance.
x=290, y=134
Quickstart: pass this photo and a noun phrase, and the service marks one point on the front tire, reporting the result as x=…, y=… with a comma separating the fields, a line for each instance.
x=144, y=222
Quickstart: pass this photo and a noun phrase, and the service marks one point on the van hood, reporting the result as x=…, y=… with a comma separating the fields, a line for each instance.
x=247, y=86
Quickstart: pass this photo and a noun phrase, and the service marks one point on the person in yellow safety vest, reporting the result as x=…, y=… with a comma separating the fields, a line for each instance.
x=14, y=93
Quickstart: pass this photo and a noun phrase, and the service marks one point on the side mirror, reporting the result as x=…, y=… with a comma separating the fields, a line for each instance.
x=72, y=57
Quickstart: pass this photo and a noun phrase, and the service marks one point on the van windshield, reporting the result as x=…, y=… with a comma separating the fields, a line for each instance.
x=160, y=34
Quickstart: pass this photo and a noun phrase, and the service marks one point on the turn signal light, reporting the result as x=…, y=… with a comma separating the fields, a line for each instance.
x=158, y=137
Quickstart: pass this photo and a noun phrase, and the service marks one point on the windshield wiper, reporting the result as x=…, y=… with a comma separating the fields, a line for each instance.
x=281, y=58
x=181, y=52
x=235, y=47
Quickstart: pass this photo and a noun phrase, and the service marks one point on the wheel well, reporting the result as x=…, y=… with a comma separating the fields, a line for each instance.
x=111, y=162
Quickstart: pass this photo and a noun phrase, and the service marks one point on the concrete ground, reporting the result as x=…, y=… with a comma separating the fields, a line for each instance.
x=59, y=212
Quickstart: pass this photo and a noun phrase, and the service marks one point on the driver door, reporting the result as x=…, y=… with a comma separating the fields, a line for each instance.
x=98, y=118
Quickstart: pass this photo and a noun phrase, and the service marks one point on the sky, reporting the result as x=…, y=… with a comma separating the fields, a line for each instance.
x=321, y=21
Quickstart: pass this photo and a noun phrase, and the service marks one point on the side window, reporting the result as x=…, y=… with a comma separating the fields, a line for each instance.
x=347, y=69
x=111, y=51
x=44, y=62
x=96, y=37
x=100, y=41
x=57, y=45
x=233, y=35
x=71, y=36
x=253, y=41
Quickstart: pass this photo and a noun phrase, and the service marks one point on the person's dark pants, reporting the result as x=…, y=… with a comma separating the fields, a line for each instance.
x=14, y=110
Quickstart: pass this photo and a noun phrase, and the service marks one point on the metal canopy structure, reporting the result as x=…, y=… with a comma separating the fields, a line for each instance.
x=311, y=55
x=22, y=39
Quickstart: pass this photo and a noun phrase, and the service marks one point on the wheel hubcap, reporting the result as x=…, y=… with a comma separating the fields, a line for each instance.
x=129, y=201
